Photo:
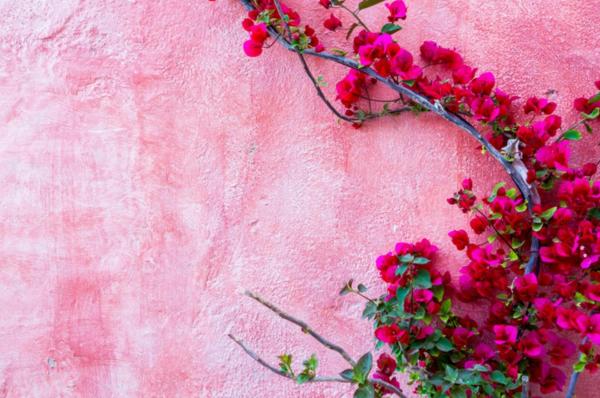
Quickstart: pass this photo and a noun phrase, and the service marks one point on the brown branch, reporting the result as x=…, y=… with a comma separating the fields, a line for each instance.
x=253, y=355
x=305, y=328
x=316, y=379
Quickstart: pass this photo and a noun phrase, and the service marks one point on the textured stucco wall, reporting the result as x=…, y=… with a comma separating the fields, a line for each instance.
x=149, y=171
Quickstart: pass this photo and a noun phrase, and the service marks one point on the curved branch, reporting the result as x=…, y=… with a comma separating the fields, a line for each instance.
x=528, y=192
x=305, y=328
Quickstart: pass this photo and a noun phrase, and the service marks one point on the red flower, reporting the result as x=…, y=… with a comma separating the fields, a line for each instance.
x=459, y=238
x=463, y=74
x=554, y=156
x=392, y=334
x=422, y=295
x=505, y=334
x=325, y=3
x=332, y=23
x=479, y=224
x=483, y=84
x=397, y=10
x=531, y=345
x=526, y=287
x=386, y=366
x=258, y=36
x=561, y=350
x=539, y=105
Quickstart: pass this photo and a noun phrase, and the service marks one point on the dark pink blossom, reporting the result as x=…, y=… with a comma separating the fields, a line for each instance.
x=397, y=10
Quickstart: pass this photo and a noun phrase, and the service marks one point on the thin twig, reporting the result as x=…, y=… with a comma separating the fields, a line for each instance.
x=305, y=328
x=253, y=355
x=355, y=15
x=316, y=379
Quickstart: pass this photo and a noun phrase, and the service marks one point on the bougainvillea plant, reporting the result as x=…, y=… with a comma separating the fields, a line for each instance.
x=533, y=252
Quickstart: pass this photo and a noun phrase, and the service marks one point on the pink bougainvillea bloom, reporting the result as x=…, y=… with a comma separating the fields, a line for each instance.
x=531, y=345
x=332, y=23
x=539, y=105
x=555, y=156
x=589, y=261
x=505, y=334
x=397, y=10
x=325, y=3
x=546, y=311
x=460, y=239
x=463, y=75
x=526, y=287
x=422, y=295
x=386, y=364
x=561, y=350
x=392, y=334
x=252, y=48
x=483, y=84
x=553, y=381
x=479, y=224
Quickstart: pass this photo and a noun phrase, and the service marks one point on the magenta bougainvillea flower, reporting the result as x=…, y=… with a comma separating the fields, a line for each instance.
x=459, y=238
x=397, y=10
x=332, y=23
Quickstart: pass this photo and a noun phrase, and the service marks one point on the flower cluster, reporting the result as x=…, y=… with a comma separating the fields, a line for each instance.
x=536, y=298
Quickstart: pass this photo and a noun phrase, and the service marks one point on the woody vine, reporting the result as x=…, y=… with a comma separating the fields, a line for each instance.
x=533, y=252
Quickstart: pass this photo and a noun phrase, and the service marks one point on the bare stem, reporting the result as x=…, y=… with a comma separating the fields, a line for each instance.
x=316, y=379
x=253, y=355
x=305, y=328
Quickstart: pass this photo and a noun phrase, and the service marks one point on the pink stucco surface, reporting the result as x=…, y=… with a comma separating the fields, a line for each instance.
x=150, y=172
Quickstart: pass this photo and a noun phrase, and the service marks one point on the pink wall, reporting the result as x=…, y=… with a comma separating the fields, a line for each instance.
x=150, y=172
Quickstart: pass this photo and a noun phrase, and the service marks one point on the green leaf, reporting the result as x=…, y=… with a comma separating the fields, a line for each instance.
x=537, y=224
x=352, y=27
x=595, y=98
x=347, y=374
x=522, y=207
x=421, y=260
x=370, y=310
x=401, y=269
x=498, y=377
x=347, y=287
x=451, y=373
x=572, y=135
x=491, y=238
x=311, y=363
x=365, y=392
x=438, y=292
x=497, y=187
x=592, y=115
x=401, y=294
x=511, y=193
x=444, y=345
x=339, y=52
x=549, y=213
x=390, y=28
x=302, y=378
x=362, y=288
x=594, y=213
x=407, y=258
x=368, y=3
x=363, y=367
x=423, y=279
